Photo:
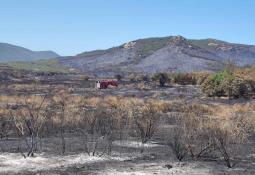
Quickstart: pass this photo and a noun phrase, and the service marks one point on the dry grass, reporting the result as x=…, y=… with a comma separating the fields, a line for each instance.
x=247, y=73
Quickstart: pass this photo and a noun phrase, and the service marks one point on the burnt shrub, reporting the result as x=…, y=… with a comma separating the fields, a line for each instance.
x=163, y=78
x=118, y=77
x=183, y=79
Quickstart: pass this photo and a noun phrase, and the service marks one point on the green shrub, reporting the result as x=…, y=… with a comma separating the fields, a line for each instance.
x=226, y=83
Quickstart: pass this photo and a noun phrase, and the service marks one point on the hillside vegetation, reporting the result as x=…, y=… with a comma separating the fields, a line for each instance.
x=232, y=81
x=9, y=52
x=51, y=65
x=165, y=54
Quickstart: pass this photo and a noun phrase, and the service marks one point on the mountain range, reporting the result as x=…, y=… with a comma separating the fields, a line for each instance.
x=173, y=53
x=9, y=52
x=150, y=55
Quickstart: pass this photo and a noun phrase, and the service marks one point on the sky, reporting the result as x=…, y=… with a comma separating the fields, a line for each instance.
x=69, y=27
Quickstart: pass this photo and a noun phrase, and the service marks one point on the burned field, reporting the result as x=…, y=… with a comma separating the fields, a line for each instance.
x=61, y=124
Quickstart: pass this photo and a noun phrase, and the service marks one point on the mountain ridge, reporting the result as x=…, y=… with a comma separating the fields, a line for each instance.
x=172, y=53
x=10, y=52
x=148, y=55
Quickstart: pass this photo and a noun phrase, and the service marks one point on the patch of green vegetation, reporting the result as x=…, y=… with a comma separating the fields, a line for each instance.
x=208, y=44
x=50, y=65
x=150, y=45
x=220, y=77
x=226, y=83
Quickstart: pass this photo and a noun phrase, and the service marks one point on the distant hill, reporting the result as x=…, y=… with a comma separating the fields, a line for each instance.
x=46, y=65
x=10, y=52
x=173, y=53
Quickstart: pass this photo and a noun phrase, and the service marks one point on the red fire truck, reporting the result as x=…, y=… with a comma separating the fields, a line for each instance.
x=103, y=84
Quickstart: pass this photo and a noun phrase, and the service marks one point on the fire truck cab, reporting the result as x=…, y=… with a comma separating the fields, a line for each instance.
x=103, y=84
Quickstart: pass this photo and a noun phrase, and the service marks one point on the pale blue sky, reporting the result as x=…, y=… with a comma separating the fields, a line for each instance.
x=73, y=26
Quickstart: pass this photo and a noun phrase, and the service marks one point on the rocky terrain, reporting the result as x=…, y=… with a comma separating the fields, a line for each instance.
x=174, y=53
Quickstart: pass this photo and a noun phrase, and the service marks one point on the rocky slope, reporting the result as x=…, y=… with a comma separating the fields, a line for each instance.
x=174, y=53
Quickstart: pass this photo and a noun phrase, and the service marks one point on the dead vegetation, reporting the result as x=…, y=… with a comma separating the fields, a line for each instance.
x=188, y=129
x=200, y=132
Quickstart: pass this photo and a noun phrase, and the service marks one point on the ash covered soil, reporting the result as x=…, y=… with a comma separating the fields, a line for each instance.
x=129, y=157
x=126, y=159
